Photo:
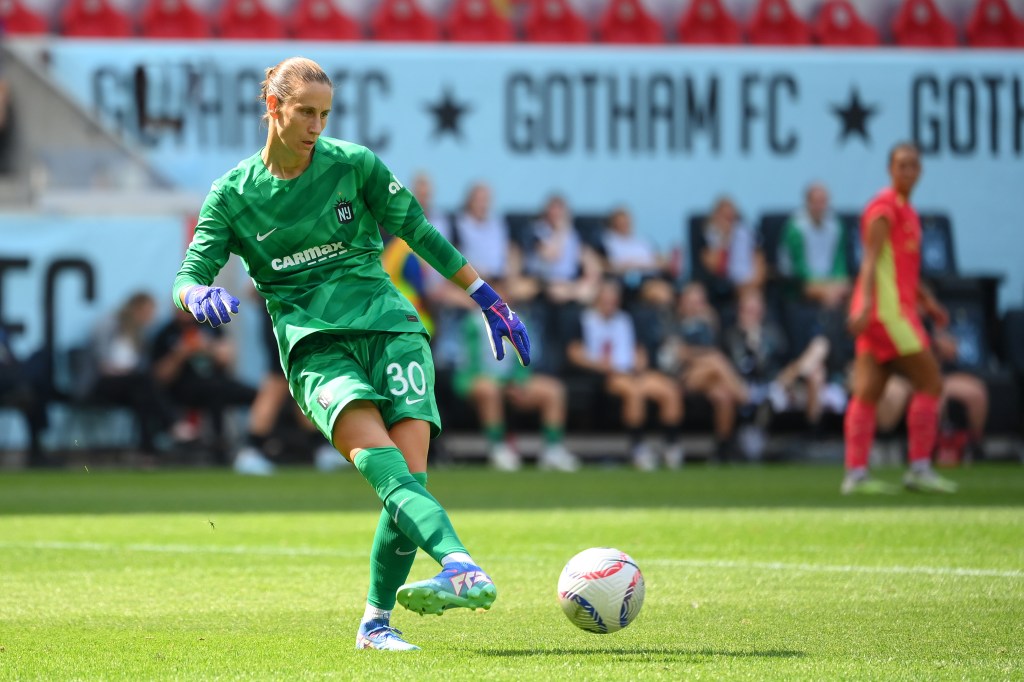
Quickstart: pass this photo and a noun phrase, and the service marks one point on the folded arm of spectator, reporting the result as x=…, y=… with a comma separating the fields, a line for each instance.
x=578, y=356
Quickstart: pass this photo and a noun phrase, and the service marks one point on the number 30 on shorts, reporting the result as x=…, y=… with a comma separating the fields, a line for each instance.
x=411, y=377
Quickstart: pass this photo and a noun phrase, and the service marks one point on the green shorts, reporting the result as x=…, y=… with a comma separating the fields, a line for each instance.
x=326, y=372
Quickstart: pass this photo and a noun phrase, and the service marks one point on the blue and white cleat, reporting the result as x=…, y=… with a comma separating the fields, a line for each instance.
x=377, y=634
x=458, y=585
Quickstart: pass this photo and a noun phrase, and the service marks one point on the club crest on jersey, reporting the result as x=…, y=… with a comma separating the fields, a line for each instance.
x=324, y=398
x=344, y=210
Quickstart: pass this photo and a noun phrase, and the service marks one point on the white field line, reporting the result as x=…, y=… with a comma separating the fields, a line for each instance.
x=943, y=571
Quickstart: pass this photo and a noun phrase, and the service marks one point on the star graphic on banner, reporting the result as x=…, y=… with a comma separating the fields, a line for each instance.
x=447, y=114
x=854, y=117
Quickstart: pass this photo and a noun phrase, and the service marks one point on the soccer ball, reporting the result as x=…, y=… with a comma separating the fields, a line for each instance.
x=601, y=590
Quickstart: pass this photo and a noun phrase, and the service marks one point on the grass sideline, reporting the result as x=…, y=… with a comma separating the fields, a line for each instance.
x=752, y=573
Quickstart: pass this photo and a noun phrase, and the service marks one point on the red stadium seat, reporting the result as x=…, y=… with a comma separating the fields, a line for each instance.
x=94, y=19
x=919, y=23
x=248, y=20
x=477, y=21
x=173, y=19
x=403, y=20
x=628, y=21
x=707, y=22
x=554, y=21
x=838, y=24
x=993, y=24
x=775, y=23
x=16, y=19
x=322, y=20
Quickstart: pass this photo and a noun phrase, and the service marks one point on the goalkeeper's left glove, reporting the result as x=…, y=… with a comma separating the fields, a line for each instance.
x=502, y=323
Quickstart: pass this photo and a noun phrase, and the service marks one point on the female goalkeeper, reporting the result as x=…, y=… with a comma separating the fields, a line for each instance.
x=302, y=214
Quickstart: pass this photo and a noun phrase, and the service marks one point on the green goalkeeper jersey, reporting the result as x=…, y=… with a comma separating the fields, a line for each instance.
x=311, y=244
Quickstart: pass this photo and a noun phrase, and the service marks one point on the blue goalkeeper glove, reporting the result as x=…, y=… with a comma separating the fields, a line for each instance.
x=211, y=304
x=502, y=323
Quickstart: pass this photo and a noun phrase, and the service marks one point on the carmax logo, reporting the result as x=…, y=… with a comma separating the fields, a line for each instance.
x=314, y=254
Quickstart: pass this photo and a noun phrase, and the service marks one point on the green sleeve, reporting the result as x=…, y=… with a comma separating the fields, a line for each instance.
x=396, y=209
x=211, y=245
x=793, y=242
x=839, y=269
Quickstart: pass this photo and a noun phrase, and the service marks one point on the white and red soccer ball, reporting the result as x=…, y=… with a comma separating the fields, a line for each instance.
x=601, y=590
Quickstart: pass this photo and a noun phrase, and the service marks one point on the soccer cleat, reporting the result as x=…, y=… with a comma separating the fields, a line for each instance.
x=928, y=482
x=252, y=462
x=557, y=458
x=644, y=458
x=504, y=458
x=328, y=459
x=674, y=456
x=377, y=634
x=458, y=585
x=865, y=485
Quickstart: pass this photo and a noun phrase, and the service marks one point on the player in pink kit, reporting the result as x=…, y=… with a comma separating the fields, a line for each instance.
x=890, y=336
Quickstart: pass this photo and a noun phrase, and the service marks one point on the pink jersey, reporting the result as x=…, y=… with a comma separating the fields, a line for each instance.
x=895, y=328
x=898, y=271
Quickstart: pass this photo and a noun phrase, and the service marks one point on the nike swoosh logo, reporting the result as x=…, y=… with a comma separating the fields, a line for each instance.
x=400, y=505
x=401, y=553
x=410, y=401
x=261, y=237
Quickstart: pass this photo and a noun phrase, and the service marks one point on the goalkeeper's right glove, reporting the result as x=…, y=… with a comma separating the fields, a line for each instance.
x=211, y=304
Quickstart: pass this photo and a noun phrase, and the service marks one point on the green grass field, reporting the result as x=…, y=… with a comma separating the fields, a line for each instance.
x=752, y=574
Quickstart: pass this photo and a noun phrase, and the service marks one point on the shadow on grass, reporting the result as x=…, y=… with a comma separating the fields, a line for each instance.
x=646, y=653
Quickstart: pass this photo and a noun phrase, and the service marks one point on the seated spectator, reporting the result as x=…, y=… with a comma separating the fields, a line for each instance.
x=730, y=258
x=445, y=301
x=606, y=346
x=812, y=251
x=691, y=352
x=487, y=383
x=813, y=255
x=758, y=350
x=123, y=375
x=483, y=238
x=653, y=312
x=192, y=363
x=630, y=257
x=19, y=391
x=567, y=269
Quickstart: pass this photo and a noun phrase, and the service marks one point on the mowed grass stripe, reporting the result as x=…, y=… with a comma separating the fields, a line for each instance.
x=943, y=571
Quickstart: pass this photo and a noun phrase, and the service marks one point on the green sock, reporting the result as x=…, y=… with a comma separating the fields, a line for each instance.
x=417, y=514
x=553, y=434
x=390, y=559
x=495, y=433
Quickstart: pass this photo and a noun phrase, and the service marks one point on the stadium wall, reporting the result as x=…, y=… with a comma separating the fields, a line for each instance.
x=661, y=131
x=58, y=274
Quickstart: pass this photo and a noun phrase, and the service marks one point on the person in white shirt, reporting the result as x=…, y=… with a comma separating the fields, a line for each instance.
x=630, y=256
x=606, y=346
x=568, y=269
